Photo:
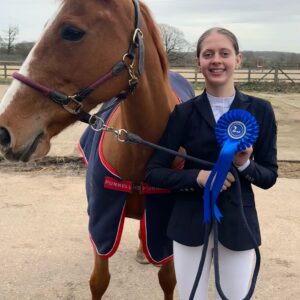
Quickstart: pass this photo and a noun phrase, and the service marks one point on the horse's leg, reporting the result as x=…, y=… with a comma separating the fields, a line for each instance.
x=167, y=279
x=140, y=256
x=100, y=277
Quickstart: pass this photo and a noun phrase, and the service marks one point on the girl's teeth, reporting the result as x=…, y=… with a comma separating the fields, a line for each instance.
x=217, y=70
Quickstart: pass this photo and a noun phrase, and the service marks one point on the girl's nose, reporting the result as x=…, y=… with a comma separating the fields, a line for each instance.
x=216, y=58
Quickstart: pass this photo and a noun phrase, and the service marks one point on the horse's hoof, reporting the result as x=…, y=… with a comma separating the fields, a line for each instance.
x=141, y=258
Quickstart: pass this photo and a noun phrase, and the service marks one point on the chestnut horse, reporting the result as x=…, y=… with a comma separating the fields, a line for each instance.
x=98, y=44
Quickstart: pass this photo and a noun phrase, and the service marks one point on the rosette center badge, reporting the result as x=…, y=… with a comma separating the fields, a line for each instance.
x=236, y=130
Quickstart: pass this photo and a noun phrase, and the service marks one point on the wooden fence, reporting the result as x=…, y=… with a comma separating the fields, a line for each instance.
x=275, y=74
x=8, y=67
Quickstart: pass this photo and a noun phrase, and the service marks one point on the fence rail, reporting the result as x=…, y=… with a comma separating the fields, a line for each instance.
x=7, y=68
x=275, y=74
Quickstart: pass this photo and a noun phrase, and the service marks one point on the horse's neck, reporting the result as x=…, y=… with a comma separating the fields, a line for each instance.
x=145, y=113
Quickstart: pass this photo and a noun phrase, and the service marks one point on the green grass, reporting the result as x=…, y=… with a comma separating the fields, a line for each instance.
x=5, y=81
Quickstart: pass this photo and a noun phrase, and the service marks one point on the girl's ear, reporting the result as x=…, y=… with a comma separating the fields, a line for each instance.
x=238, y=60
x=197, y=61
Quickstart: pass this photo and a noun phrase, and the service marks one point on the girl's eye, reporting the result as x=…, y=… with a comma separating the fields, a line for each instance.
x=72, y=33
x=207, y=54
x=225, y=54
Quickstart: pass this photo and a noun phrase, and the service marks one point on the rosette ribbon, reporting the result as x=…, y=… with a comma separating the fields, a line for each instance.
x=235, y=131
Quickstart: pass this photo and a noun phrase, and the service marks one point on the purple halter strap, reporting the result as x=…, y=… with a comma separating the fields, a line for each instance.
x=73, y=104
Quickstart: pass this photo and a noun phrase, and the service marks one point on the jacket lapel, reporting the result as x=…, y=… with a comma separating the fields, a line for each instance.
x=204, y=109
x=240, y=101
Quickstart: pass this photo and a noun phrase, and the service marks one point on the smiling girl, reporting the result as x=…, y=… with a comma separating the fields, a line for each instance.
x=191, y=126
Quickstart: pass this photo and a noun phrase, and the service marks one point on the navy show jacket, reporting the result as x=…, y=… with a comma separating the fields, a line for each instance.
x=191, y=126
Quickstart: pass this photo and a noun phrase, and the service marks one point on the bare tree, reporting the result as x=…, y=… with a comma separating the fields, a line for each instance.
x=174, y=42
x=9, y=38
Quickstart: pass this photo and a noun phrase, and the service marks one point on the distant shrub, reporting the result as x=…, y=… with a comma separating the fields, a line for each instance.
x=267, y=87
x=282, y=87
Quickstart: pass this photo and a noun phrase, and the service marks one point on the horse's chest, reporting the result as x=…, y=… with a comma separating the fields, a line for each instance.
x=128, y=160
x=134, y=206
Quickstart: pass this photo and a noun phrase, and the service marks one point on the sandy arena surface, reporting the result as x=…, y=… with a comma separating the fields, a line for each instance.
x=44, y=242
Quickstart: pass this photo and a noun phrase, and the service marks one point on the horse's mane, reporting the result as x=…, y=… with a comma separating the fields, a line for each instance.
x=153, y=30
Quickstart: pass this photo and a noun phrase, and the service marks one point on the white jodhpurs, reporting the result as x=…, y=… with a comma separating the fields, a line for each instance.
x=236, y=268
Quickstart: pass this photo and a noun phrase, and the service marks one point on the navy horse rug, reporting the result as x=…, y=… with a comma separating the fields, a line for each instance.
x=107, y=191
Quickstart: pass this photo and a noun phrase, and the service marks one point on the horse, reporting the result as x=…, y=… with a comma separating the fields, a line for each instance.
x=96, y=51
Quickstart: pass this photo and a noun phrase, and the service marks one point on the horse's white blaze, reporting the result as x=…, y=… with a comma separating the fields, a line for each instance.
x=17, y=85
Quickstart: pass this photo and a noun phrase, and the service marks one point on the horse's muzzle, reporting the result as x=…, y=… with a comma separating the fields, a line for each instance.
x=21, y=155
x=4, y=138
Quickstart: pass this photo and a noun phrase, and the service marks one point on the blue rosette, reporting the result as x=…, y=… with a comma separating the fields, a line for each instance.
x=235, y=131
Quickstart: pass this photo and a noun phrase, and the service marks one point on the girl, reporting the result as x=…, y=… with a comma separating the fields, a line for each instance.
x=191, y=126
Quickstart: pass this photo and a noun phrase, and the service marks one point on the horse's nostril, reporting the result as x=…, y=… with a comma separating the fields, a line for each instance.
x=4, y=137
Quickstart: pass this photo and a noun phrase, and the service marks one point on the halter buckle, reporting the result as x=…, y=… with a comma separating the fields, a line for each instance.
x=73, y=106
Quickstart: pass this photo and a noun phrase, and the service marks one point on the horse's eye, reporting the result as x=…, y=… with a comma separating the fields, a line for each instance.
x=71, y=33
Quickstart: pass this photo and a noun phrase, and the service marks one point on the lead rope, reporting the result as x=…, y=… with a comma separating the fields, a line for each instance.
x=127, y=137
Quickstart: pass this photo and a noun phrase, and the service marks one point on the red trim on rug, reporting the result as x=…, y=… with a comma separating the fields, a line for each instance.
x=83, y=155
x=145, y=244
x=117, y=240
x=109, y=168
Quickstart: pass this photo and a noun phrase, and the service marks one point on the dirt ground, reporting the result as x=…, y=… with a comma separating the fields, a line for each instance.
x=44, y=242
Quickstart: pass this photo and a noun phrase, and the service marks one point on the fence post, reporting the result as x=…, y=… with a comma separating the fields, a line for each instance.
x=276, y=75
x=5, y=71
x=249, y=75
x=196, y=75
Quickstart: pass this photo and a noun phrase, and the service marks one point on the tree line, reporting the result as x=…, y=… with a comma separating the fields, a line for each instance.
x=179, y=51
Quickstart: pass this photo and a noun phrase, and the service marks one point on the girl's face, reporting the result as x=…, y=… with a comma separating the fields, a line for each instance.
x=218, y=60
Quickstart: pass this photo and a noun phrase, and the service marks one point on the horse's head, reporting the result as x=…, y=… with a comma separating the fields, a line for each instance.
x=78, y=49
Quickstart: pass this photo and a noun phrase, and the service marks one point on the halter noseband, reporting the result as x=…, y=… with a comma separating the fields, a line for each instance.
x=73, y=104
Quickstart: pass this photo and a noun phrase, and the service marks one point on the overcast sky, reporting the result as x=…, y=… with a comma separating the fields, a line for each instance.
x=260, y=25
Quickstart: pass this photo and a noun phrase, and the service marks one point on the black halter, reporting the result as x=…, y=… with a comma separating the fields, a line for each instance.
x=73, y=104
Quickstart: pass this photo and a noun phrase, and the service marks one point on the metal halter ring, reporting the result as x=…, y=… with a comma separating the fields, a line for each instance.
x=129, y=65
x=94, y=122
x=136, y=32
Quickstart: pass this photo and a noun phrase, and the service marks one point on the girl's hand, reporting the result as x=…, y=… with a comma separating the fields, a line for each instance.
x=203, y=177
x=241, y=157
